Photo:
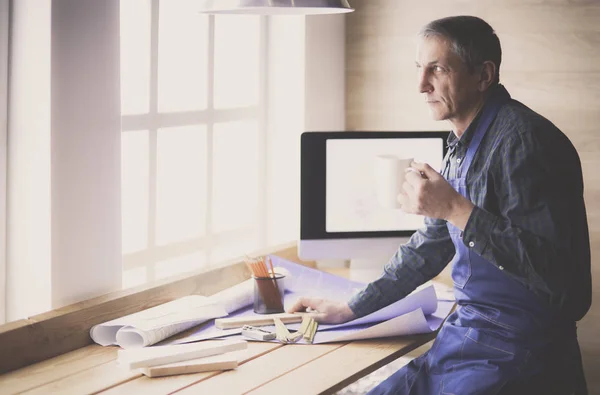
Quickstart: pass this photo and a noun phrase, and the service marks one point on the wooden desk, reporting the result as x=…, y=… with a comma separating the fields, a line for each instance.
x=267, y=368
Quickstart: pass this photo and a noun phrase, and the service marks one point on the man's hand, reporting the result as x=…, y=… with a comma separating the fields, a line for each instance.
x=324, y=311
x=427, y=193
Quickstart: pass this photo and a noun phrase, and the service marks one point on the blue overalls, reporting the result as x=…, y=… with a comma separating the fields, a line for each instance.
x=500, y=329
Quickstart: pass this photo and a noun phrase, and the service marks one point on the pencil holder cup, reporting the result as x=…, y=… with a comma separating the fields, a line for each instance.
x=268, y=294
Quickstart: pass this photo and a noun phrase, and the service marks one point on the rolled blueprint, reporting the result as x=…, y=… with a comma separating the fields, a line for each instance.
x=153, y=325
x=157, y=323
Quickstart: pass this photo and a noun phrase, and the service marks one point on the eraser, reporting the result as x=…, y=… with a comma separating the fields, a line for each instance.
x=257, y=333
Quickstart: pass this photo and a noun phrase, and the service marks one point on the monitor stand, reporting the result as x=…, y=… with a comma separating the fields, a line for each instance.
x=367, y=270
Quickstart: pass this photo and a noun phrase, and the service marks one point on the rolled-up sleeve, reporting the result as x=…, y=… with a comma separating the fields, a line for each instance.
x=479, y=230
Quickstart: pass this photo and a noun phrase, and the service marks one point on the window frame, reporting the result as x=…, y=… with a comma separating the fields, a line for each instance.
x=154, y=120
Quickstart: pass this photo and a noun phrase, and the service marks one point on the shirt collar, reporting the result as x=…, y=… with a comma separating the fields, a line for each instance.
x=467, y=136
x=463, y=141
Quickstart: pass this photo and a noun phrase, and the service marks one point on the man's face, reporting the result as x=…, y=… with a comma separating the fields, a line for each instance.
x=449, y=89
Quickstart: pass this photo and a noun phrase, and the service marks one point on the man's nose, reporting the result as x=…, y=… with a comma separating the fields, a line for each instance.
x=423, y=83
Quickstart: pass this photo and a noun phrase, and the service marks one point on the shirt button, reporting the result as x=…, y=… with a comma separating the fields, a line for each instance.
x=458, y=160
x=501, y=267
x=471, y=244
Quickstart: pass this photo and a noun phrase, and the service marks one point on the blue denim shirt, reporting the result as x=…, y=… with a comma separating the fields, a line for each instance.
x=527, y=185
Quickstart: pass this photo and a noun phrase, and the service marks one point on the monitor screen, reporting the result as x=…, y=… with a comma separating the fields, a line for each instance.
x=339, y=190
x=350, y=186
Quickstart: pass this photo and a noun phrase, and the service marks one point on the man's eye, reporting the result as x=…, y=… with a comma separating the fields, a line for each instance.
x=438, y=69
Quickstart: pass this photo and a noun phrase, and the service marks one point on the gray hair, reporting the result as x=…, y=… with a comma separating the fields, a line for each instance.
x=471, y=38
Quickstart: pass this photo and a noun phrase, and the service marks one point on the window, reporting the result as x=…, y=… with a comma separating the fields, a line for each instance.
x=194, y=138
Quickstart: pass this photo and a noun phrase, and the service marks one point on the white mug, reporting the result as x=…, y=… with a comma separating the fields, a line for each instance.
x=389, y=177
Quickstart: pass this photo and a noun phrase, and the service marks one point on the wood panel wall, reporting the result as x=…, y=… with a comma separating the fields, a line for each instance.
x=551, y=62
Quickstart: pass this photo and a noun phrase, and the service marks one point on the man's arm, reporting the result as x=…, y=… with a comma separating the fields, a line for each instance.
x=539, y=191
x=424, y=256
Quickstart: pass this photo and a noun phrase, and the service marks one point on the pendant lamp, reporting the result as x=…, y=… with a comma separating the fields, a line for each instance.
x=275, y=7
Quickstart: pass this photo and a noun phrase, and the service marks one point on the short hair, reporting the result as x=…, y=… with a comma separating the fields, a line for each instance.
x=471, y=38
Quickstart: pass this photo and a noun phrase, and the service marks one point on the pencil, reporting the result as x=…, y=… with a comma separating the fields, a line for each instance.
x=277, y=290
x=271, y=265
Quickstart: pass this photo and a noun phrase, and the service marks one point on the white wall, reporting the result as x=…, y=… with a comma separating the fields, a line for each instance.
x=4, y=10
x=86, y=150
x=64, y=154
x=28, y=199
x=325, y=72
x=285, y=122
x=305, y=93
x=325, y=80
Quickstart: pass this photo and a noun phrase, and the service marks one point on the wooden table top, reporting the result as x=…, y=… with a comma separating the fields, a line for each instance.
x=265, y=368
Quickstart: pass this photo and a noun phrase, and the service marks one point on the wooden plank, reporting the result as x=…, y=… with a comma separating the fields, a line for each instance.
x=550, y=52
x=560, y=97
x=545, y=92
x=227, y=361
x=404, y=17
x=593, y=215
x=549, y=92
x=112, y=375
x=587, y=332
x=66, y=329
x=255, y=373
x=9, y=326
x=542, y=17
x=168, y=354
x=582, y=126
x=408, y=17
x=342, y=366
x=164, y=385
x=55, y=368
x=591, y=176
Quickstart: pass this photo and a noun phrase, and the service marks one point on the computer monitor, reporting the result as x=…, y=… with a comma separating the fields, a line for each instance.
x=340, y=217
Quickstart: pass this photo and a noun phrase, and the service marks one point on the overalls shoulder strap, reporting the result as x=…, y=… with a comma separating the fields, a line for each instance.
x=498, y=98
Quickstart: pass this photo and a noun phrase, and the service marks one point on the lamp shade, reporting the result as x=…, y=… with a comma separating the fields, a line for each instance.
x=275, y=7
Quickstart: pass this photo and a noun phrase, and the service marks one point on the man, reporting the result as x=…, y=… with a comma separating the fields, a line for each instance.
x=508, y=212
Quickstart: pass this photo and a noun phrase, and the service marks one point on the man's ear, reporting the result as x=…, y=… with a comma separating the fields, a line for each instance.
x=487, y=75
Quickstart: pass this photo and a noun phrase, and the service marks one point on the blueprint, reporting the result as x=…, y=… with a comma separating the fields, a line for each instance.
x=419, y=312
